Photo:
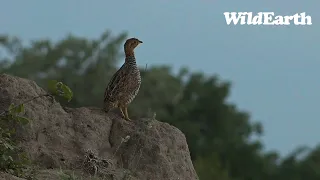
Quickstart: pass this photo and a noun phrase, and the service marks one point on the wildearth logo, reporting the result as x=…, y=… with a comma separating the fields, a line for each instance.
x=266, y=18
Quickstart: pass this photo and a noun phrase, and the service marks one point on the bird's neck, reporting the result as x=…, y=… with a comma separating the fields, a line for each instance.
x=130, y=58
x=129, y=52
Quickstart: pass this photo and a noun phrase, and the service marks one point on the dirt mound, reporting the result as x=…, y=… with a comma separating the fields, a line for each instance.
x=89, y=141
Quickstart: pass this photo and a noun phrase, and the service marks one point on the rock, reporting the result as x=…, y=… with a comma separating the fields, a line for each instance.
x=6, y=176
x=89, y=140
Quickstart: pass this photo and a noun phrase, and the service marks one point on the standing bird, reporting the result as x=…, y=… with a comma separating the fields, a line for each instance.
x=125, y=83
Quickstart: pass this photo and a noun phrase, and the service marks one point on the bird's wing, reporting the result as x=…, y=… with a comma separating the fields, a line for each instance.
x=116, y=84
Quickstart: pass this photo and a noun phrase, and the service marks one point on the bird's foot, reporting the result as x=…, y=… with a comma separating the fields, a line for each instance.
x=127, y=118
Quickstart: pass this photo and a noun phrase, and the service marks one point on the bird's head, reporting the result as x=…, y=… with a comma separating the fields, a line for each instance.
x=131, y=44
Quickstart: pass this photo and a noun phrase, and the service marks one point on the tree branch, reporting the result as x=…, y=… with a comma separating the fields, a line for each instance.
x=25, y=102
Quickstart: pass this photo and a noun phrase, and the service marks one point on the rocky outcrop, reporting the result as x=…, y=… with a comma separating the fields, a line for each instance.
x=89, y=141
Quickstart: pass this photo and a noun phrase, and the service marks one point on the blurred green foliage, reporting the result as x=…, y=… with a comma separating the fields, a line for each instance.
x=218, y=133
x=12, y=159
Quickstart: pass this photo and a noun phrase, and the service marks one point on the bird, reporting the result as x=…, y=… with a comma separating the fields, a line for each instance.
x=125, y=83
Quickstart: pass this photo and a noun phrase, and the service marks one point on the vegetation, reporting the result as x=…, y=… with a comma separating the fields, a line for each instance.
x=218, y=133
x=12, y=159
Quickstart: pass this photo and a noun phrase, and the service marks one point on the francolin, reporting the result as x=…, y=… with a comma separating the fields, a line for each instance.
x=125, y=83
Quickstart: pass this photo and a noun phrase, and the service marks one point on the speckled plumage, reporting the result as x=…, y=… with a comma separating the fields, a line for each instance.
x=125, y=83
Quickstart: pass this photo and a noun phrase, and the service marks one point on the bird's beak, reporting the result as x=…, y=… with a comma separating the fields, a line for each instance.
x=140, y=41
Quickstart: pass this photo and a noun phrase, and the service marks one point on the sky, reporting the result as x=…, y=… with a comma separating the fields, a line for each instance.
x=274, y=70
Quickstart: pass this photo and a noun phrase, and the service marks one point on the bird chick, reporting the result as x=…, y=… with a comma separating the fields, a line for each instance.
x=125, y=83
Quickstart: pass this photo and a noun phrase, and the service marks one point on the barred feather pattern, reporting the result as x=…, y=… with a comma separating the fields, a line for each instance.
x=123, y=86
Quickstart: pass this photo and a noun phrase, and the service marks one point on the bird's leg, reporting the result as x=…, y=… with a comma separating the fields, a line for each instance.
x=121, y=110
x=126, y=116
